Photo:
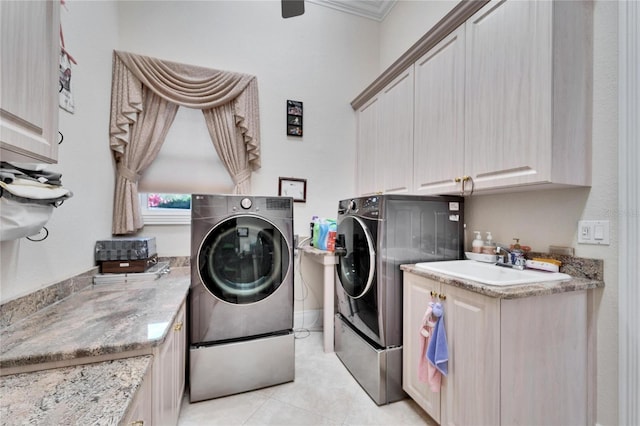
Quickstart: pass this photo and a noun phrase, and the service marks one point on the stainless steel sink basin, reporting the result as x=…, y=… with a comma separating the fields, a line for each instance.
x=487, y=273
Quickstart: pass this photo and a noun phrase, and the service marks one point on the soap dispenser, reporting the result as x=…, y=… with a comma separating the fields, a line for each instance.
x=489, y=246
x=477, y=243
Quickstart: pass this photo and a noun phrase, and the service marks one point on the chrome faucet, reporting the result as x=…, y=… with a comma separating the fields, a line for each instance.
x=514, y=259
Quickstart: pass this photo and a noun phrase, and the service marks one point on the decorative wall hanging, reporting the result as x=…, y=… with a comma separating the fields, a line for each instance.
x=293, y=187
x=64, y=91
x=294, y=118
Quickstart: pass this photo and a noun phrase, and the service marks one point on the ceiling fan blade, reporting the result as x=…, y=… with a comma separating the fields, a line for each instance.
x=291, y=8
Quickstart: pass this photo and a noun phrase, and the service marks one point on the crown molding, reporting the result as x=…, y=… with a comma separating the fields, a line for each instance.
x=371, y=9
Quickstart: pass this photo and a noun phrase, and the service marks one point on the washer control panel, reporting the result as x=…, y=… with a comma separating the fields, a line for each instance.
x=246, y=203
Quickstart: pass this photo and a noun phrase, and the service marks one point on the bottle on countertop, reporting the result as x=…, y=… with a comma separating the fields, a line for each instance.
x=489, y=246
x=477, y=243
x=314, y=221
x=331, y=241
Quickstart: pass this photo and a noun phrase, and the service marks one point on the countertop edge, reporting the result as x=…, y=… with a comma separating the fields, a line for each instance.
x=510, y=292
x=84, y=355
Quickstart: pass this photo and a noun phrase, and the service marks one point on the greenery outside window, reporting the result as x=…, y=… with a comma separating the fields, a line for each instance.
x=165, y=209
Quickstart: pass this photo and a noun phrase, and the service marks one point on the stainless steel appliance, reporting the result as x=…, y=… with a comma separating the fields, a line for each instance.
x=241, y=295
x=375, y=236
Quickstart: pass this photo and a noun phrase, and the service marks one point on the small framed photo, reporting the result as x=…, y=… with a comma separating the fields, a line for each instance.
x=294, y=118
x=293, y=187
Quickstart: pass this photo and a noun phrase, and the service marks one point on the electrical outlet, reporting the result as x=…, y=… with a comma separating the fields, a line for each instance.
x=593, y=232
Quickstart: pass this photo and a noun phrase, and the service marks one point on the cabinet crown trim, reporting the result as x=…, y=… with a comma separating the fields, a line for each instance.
x=452, y=20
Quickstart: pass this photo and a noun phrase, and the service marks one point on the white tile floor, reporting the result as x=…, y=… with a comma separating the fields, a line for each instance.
x=323, y=393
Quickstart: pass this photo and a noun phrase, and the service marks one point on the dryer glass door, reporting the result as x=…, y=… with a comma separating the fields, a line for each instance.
x=243, y=259
x=356, y=269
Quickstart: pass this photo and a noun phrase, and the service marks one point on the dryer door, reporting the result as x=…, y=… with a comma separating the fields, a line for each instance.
x=243, y=260
x=356, y=268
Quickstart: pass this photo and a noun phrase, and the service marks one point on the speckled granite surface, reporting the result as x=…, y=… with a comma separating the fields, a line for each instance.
x=91, y=394
x=587, y=274
x=20, y=308
x=99, y=320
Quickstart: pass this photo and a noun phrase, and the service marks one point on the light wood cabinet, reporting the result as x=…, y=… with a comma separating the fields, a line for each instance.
x=368, y=148
x=30, y=50
x=385, y=139
x=502, y=102
x=169, y=373
x=511, y=361
x=439, y=117
x=470, y=392
x=141, y=408
x=528, y=86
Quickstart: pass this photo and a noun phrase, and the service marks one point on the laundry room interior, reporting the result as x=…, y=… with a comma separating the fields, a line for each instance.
x=332, y=62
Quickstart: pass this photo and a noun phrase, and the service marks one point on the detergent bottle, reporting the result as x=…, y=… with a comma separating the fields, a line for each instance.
x=324, y=234
x=331, y=239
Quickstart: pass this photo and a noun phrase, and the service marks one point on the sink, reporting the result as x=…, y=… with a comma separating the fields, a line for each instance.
x=488, y=273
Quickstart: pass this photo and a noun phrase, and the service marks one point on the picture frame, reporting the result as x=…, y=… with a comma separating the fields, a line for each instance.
x=294, y=118
x=293, y=187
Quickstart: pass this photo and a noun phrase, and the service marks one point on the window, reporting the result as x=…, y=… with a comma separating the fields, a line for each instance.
x=165, y=209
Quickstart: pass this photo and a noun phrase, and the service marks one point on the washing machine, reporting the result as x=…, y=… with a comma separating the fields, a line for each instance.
x=241, y=295
x=375, y=235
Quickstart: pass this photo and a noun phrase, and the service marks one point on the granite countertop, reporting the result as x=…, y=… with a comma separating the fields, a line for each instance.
x=81, y=360
x=103, y=321
x=581, y=280
x=91, y=394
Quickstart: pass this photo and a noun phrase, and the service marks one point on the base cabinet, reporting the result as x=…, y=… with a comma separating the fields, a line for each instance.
x=169, y=373
x=141, y=409
x=511, y=362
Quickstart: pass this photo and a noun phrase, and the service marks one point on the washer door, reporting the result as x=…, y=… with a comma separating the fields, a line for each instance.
x=356, y=269
x=243, y=259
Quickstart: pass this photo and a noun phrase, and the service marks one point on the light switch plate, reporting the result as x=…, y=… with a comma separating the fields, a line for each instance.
x=593, y=232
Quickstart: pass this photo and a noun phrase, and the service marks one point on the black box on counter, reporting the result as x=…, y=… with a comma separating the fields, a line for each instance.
x=127, y=266
x=141, y=248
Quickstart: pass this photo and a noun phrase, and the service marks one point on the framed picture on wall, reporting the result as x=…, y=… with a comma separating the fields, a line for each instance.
x=294, y=118
x=293, y=187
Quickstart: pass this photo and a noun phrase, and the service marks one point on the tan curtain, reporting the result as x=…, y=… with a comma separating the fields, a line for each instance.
x=147, y=135
x=227, y=99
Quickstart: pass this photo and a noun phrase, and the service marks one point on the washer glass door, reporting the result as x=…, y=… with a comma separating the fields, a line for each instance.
x=243, y=259
x=356, y=268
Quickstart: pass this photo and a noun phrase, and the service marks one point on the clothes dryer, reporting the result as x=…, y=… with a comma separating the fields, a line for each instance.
x=375, y=236
x=241, y=295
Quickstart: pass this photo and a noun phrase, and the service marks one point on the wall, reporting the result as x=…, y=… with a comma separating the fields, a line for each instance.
x=406, y=23
x=322, y=58
x=91, y=33
x=543, y=218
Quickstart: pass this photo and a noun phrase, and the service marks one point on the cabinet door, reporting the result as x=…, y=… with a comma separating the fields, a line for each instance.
x=396, y=133
x=169, y=373
x=367, y=148
x=164, y=385
x=439, y=117
x=140, y=413
x=29, y=80
x=508, y=85
x=471, y=394
x=416, y=298
x=180, y=350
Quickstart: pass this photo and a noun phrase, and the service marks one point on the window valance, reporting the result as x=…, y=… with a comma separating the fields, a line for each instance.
x=145, y=95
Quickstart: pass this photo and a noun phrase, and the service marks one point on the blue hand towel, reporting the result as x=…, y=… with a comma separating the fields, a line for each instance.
x=438, y=352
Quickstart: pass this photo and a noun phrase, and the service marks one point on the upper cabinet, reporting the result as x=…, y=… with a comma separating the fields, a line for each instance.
x=385, y=139
x=528, y=86
x=367, y=151
x=30, y=50
x=501, y=101
x=439, y=117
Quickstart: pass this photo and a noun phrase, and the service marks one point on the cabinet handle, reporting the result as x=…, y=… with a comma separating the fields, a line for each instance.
x=178, y=326
x=438, y=295
x=137, y=423
x=464, y=180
